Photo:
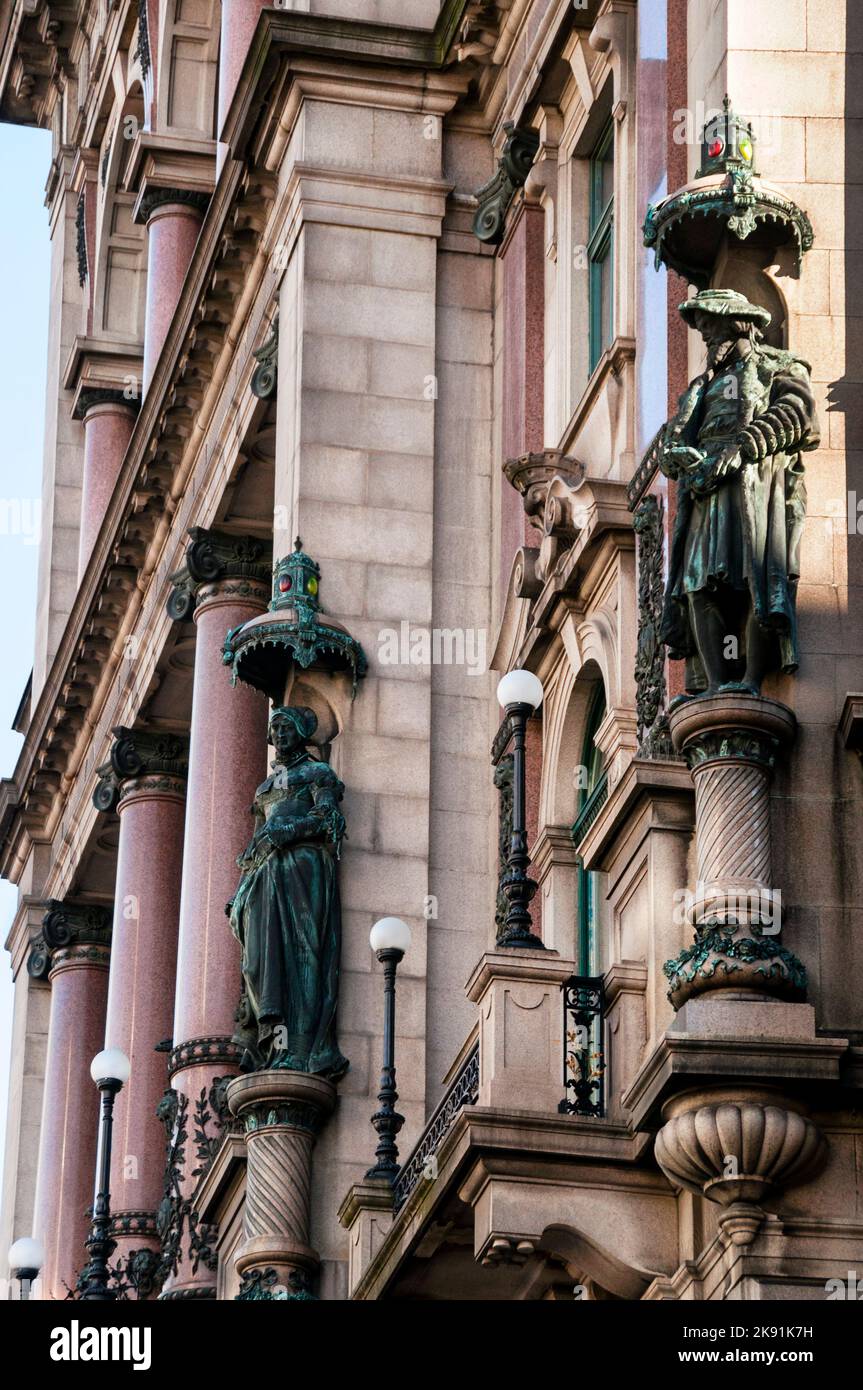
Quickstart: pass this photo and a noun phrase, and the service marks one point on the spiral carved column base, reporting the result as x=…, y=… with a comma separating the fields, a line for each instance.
x=282, y=1113
x=737, y=1148
x=731, y=743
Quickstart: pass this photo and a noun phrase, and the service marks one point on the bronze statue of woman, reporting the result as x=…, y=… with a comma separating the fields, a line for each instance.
x=286, y=912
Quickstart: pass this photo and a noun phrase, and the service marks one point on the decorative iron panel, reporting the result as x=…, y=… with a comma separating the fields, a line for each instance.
x=583, y=1053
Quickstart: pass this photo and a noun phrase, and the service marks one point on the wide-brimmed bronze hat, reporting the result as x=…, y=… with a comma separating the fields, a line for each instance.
x=724, y=304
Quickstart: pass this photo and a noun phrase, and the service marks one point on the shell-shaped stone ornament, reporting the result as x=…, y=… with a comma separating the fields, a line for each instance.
x=733, y=1151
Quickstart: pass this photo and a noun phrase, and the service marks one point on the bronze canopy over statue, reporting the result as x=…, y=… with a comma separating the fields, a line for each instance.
x=734, y=448
x=286, y=913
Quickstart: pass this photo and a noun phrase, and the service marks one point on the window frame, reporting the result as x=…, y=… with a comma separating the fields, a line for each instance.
x=600, y=247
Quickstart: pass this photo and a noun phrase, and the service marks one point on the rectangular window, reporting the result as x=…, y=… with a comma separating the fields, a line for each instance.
x=600, y=246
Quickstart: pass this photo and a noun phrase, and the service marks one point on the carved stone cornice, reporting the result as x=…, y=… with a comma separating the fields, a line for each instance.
x=68, y=926
x=161, y=760
x=495, y=196
x=216, y=556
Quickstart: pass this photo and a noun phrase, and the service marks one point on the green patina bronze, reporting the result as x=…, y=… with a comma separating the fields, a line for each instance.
x=735, y=449
x=286, y=912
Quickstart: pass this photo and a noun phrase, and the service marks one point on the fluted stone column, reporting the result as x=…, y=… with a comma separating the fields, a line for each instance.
x=173, y=217
x=108, y=421
x=281, y=1112
x=224, y=583
x=146, y=778
x=731, y=743
x=73, y=953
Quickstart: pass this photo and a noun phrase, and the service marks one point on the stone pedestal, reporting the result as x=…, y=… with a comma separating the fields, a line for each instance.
x=140, y=1006
x=731, y=743
x=173, y=217
x=74, y=952
x=521, y=1028
x=107, y=429
x=281, y=1112
x=223, y=584
x=366, y=1214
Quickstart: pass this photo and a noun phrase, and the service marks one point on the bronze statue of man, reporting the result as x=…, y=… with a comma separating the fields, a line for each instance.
x=735, y=449
x=286, y=912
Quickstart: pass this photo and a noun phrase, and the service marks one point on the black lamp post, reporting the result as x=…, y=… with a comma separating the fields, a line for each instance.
x=389, y=939
x=520, y=693
x=26, y=1258
x=110, y=1070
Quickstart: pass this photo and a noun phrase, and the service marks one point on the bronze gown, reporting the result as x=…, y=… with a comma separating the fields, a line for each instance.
x=287, y=917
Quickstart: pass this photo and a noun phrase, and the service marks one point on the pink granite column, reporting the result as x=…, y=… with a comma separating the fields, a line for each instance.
x=107, y=429
x=239, y=20
x=74, y=955
x=173, y=220
x=141, y=991
x=227, y=762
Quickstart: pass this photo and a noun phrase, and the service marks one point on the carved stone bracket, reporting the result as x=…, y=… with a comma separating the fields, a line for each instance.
x=213, y=557
x=736, y=1148
x=265, y=376
x=495, y=196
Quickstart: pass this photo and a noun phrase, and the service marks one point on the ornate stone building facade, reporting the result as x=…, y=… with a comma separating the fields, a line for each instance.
x=403, y=282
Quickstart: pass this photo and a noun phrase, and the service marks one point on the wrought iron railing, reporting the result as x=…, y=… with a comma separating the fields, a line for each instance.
x=421, y=1163
x=583, y=1052
x=590, y=810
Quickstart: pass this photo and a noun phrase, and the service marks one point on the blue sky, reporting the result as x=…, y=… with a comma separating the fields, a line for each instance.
x=25, y=156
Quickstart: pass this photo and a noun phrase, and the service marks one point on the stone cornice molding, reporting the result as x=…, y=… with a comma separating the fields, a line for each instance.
x=345, y=198
x=298, y=35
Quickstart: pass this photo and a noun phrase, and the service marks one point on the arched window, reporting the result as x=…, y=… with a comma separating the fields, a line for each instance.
x=592, y=791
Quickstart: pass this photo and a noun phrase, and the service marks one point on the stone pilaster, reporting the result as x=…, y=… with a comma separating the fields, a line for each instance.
x=281, y=1112
x=149, y=782
x=73, y=953
x=224, y=582
x=731, y=743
